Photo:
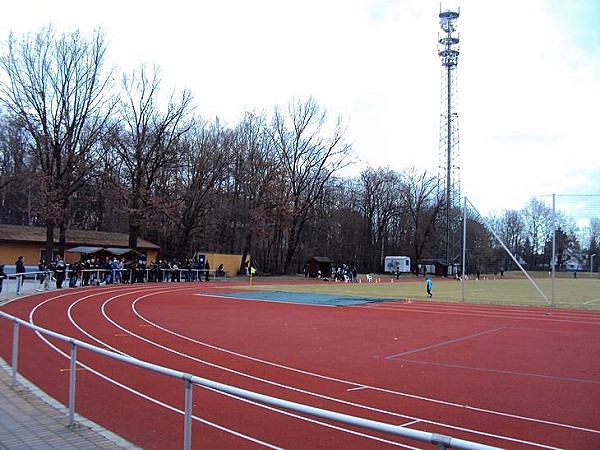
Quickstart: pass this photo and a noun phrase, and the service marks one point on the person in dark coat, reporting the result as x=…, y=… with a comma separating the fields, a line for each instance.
x=20, y=269
x=61, y=272
x=2, y=276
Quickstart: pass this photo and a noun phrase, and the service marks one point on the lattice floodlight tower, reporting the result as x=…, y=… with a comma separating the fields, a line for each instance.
x=449, y=157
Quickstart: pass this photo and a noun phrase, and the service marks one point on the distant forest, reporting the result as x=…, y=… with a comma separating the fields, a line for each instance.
x=84, y=148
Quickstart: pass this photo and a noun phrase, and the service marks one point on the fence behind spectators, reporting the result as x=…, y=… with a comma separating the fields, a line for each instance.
x=32, y=281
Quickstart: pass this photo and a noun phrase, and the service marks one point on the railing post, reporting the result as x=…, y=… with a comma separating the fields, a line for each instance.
x=15, y=352
x=187, y=419
x=443, y=442
x=72, y=367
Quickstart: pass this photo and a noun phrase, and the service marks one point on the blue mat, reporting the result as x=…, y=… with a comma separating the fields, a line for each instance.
x=304, y=298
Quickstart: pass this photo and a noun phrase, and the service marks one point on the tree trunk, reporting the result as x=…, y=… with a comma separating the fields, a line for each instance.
x=134, y=230
x=62, y=240
x=291, y=250
x=49, y=240
x=246, y=251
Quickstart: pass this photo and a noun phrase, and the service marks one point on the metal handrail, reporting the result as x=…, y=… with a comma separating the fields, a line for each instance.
x=98, y=273
x=441, y=441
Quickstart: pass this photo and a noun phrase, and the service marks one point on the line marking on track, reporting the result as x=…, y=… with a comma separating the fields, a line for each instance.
x=324, y=424
x=78, y=369
x=324, y=377
x=130, y=389
x=247, y=299
x=378, y=389
x=592, y=301
x=508, y=372
x=357, y=388
x=408, y=424
x=441, y=344
x=563, y=316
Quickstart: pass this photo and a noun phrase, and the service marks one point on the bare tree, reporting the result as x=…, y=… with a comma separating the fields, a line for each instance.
x=146, y=140
x=16, y=205
x=537, y=218
x=480, y=246
x=510, y=228
x=203, y=163
x=421, y=199
x=381, y=190
x=310, y=155
x=594, y=243
x=55, y=87
x=337, y=228
x=254, y=195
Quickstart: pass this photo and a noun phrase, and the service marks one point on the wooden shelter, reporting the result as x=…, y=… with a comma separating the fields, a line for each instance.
x=437, y=267
x=320, y=264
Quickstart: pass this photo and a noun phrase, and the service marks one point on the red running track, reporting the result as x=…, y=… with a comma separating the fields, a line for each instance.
x=504, y=376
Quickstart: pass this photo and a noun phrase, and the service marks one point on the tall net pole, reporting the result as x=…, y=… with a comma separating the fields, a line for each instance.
x=553, y=300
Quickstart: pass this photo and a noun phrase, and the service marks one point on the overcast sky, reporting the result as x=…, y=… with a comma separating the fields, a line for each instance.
x=528, y=76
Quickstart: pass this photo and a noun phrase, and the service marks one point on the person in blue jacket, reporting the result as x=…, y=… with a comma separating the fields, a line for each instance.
x=429, y=286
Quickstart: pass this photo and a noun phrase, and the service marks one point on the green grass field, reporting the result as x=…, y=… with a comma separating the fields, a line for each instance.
x=580, y=293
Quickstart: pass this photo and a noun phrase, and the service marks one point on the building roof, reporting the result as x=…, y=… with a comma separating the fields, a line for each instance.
x=115, y=251
x=17, y=233
x=321, y=259
x=438, y=261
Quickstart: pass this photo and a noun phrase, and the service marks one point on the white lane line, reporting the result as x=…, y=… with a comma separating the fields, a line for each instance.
x=351, y=383
x=481, y=410
x=357, y=388
x=441, y=344
x=103, y=309
x=139, y=393
x=324, y=377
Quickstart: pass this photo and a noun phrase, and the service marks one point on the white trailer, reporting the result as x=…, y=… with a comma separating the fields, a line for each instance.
x=396, y=264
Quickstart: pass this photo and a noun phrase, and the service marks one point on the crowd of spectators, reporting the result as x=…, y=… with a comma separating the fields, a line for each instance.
x=112, y=270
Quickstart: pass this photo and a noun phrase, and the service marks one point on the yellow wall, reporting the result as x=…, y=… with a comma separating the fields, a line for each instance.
x=231, y=263
x=10, y=252
x=151, y=255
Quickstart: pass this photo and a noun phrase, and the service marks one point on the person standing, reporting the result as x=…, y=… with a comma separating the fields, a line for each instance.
x=429, y=286
x=41, y=269
x=41, y=274
x=2, y=276
x=61, y=271
x=115, y=273
x=85, y=273
x=19, y=271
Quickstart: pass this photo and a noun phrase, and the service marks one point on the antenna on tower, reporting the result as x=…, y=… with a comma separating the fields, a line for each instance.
x=449, y=167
